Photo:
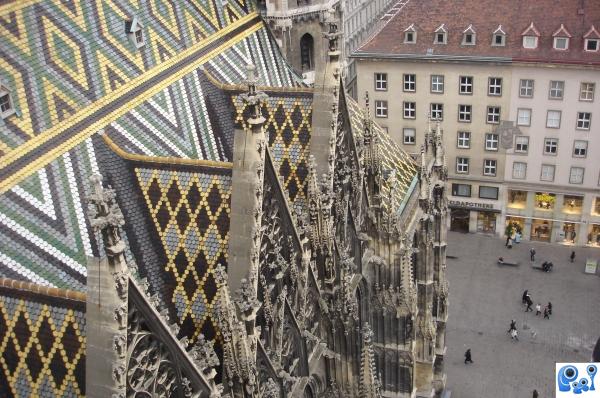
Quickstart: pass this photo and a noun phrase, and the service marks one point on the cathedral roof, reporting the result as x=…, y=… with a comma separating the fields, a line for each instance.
x=399, y=171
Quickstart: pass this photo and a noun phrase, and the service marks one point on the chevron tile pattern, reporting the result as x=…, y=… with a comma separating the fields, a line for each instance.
x=190, y=211
x=396, y=162
x=289, y=127
x=42, y=341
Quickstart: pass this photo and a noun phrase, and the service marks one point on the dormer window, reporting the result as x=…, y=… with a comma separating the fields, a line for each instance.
x=410, y=35
x=592, y=40
x=499, y=37
x=530, y=37
x=469, y=36
x=6, y=105
x=440, y=35
x=135, y=32
x=561, y=38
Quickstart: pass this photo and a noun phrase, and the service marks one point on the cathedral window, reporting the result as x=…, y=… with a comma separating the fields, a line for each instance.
x=306, y=52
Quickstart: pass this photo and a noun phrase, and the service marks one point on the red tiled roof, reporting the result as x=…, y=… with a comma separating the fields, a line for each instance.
x=515, y=16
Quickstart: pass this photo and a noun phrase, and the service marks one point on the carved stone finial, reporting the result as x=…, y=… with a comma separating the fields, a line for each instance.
x=105, y=216
x=253, y=98
x=246, y=299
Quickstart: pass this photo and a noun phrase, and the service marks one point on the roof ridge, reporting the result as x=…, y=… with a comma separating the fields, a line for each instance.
x=380, y=26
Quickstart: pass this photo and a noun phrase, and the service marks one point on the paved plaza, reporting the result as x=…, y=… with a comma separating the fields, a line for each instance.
x=484, y=297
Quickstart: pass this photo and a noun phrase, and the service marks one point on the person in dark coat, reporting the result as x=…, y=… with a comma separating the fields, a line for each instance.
x=524, y=297
x=532, y=254
x=546, y=313
x=549, y=306
x=572, y=256
x=468, y=356
x=529, y=303
x=535, y=394
x=513, y=325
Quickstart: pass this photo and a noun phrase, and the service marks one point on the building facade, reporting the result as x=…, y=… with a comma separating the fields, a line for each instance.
x=180, y=215
x=298, y=27
x=516, y=91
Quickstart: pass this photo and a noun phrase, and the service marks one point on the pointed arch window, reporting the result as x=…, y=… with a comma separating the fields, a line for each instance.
x=306, y=52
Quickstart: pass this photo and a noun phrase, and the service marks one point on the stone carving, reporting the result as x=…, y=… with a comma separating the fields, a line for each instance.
x=121, y=316
x=121, y=284
x=105, y=216
x=118, y=375
x=120, y=345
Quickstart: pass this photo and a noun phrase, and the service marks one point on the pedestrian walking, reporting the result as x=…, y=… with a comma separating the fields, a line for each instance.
x=573, y=236
x=468, y=356
x=546, y=313
x=529, y=303
x=513, y=326
x=514, y=335
x=510, y=243
x=538, y=309
x=572, y=256
x=524, y=297
x=532, y=254
x=507, y=240
x=535, y=394
x=549, y=308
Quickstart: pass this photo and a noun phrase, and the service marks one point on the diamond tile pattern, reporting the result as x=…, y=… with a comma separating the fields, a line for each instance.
x=43, y=344
x=289, y=127
x=190, y=211
x=393, y=193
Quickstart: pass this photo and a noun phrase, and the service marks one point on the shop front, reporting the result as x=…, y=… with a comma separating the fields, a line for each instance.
x=593, y=238
x=473, y=216
x=541, y=230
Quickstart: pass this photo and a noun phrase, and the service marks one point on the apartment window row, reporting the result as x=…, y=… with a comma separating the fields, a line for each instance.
x=485, y=192
x=489, y=166
x=463, y=141
x=580, y=147
x=519, y=172
x=553, y=119
x=436, y=111
x=556, y=89
x=437, y=83
x=561, y=38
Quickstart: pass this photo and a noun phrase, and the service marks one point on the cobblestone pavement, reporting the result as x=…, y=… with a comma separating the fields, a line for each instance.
x=484, y=297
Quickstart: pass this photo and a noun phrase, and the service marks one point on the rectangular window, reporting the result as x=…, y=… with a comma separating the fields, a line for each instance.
x=526, y=88
x=521, y=144
x=580, y=149
x=519, y=170
x=410, y=110
x=530, y=41
x=464, y=113
x=381, y=82
x=437, y=111
x=381, y=108
x=409, y=135
x=586, y=92
x=440, y=38
x=409, y=37
x=489, y=167
x=498, y=40
x=437, y=84
x=465, y=85
x=486, y=192
x=410, y=82
x=462, y=165
x=4, y=103
x=556, y=89
x=561, y=43
x=553, y=119
x=464, y=139
x=592, y=44
x=547, y=172
x=461, y=190
x=495, y=86
x=576, y=175
x=524, y=117
x=550, y=146
x=491, y=142
x=493, y=114
x=583, y=120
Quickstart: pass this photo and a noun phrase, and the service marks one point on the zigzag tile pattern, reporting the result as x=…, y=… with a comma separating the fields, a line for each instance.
x=57, y=57
x=42, y=340
x=289, y=127
x=260, y=50
x=45, y=235
x=190, y=211
x=397, y=163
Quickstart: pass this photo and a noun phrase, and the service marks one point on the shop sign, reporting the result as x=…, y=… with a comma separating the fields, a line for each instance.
x=471, y=205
